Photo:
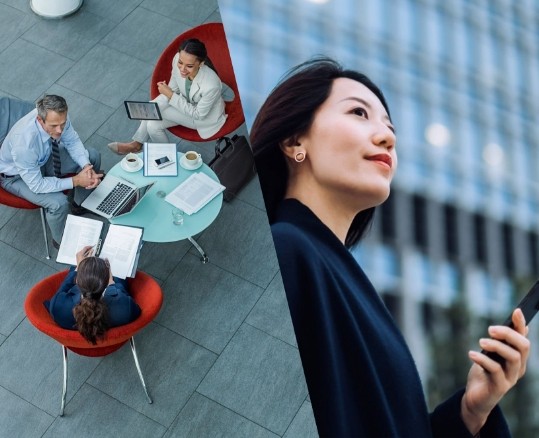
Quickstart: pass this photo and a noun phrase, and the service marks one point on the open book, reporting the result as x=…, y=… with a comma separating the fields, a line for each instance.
x=194, y=193
x=121, y=246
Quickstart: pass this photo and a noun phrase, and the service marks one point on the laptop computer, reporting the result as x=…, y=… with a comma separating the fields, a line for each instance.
x=115, y=197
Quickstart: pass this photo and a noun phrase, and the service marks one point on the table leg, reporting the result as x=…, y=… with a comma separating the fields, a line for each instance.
x=203, y=256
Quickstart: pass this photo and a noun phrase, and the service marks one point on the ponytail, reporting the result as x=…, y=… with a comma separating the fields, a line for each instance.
x=91, y=314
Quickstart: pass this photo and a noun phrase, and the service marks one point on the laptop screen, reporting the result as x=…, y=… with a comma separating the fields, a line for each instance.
x=134, y=200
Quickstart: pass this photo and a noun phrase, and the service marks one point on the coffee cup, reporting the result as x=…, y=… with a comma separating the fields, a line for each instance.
x=131, y=160
x=192, y=158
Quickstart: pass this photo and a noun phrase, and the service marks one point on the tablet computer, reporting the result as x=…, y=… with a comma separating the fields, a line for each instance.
x=142, y=110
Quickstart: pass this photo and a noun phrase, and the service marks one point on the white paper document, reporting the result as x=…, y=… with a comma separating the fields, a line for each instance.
x=194, y=193
x=78, y=233
x=121, y=246
x=157, y=151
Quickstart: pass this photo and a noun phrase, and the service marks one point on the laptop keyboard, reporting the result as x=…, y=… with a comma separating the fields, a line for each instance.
x=114, y=198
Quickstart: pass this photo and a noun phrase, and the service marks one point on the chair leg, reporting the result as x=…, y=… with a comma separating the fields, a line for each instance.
x=64, y=388
x=132, y=342
x=44, y=225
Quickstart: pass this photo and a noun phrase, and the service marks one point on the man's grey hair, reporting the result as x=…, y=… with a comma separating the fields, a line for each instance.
x=50, y=102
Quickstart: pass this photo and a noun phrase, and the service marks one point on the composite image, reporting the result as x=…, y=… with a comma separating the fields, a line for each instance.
x=255, y=218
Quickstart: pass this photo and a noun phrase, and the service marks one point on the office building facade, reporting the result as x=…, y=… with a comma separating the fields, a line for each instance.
x=457, y=243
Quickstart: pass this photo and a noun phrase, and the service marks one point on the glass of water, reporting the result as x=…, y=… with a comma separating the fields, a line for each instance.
x=177, y=216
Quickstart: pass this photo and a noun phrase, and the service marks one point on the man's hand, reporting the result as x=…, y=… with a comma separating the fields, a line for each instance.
x=87, y=178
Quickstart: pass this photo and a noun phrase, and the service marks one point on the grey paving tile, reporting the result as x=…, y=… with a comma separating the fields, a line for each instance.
x=118, y=127
x=115, y=11
x=172, y=367
x=25, y=233
x=259, y=377
x=19, y=418
x=205, y=303
x=71, y=36
x=6, y=213
x=191, y=13
x=159, y=31
x=23, y=272
x=202, y=417
x=161, y=259
x=13, y=24
x=252, y=194
x=21, y=5
x=215, y=17
x=108, y=158
x=39, y=381
x=93, y=414
x=2, y=339
x=106, y=75
x=86, y=114
x=303, y=424
x=239, y=241
x=27, y=70
x=271, y=313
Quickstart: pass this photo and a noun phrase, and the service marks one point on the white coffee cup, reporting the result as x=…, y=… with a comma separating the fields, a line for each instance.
x=192, y=158
x=131, y=160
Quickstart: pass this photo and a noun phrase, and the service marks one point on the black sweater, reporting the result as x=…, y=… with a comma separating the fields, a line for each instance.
x=361, y=377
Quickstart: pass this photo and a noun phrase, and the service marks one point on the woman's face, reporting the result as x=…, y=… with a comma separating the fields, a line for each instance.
x=188, y=65
x=350, y=146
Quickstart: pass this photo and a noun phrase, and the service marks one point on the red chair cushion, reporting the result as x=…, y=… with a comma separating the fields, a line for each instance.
x=14, y=201
x=213, y=36
x=144, y=289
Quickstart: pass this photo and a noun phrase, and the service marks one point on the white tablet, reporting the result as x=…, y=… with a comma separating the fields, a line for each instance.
x=142, y=110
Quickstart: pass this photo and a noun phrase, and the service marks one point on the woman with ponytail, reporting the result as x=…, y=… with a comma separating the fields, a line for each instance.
x=91, y=300
x=192, y=98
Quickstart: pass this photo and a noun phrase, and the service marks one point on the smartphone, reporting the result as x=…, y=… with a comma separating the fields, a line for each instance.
x=529, y=306
x=162, y=162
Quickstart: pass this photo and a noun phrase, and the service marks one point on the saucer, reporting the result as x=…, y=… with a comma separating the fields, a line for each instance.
x=185, y=165
x=125, y=167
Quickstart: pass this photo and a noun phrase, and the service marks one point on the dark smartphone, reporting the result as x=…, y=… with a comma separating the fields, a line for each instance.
x=162, y=162
x=529, y=306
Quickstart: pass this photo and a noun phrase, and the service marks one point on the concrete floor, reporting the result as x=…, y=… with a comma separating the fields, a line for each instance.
x=221, y=358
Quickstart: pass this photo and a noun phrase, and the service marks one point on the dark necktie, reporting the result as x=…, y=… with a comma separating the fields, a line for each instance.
x=56, y=157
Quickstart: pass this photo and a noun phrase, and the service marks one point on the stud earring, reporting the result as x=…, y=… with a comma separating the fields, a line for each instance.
x=299, y=157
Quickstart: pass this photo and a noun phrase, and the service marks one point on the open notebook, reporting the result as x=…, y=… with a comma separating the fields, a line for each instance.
x=121, y=246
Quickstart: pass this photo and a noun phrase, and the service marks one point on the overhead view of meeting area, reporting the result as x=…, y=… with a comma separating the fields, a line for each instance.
x=140, y=282
x=454, y=248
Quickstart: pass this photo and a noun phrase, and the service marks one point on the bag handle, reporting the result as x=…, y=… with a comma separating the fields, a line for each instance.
x=218, y=150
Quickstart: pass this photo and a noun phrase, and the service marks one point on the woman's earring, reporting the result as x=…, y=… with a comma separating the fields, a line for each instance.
x=299, y=157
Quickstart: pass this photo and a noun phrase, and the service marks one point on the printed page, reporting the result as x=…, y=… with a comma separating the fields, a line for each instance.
x=194, y=193
x=120, y=248
x=153, y=151
x=78, y=233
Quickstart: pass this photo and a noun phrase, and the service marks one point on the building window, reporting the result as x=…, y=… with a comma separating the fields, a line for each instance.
x=387, y=219
x=508, y=251
x=534, y=255
x=420, y=222
x=480, y=234
x=451, y=231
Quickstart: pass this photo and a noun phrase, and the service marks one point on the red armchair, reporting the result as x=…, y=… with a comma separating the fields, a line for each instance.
x=144, y=290
x=213, y=36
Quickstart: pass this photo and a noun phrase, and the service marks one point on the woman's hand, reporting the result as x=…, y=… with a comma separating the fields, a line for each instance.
x=488, y=380
x=83, y=253
x=165, y=89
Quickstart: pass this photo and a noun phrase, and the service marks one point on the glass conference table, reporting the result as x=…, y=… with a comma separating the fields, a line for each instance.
x=154, y=214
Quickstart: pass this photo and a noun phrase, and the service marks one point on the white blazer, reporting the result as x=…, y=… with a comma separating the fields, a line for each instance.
x=206, y=106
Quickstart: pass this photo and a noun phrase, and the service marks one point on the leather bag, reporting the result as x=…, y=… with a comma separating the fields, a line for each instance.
x=234, y=164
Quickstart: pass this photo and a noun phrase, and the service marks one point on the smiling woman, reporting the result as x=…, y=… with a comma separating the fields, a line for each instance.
x=324, y=148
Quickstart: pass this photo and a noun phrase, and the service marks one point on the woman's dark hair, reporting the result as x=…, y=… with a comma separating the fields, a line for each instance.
x=197, y=48
x=286, y=115
x=91, y=314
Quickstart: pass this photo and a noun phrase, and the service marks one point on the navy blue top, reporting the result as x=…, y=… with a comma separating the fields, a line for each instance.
x=122, y=309
x=361, y=377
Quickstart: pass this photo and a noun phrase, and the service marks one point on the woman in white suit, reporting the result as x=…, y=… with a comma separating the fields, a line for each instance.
x=192, y=98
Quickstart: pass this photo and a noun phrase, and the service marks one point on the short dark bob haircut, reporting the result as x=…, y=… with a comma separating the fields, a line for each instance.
x=286, y=115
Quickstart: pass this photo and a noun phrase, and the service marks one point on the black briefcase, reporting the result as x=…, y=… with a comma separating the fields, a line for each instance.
x=234, y=164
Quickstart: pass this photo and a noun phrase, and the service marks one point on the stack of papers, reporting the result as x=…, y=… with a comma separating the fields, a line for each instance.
x=194, y=193
x=155, y=151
